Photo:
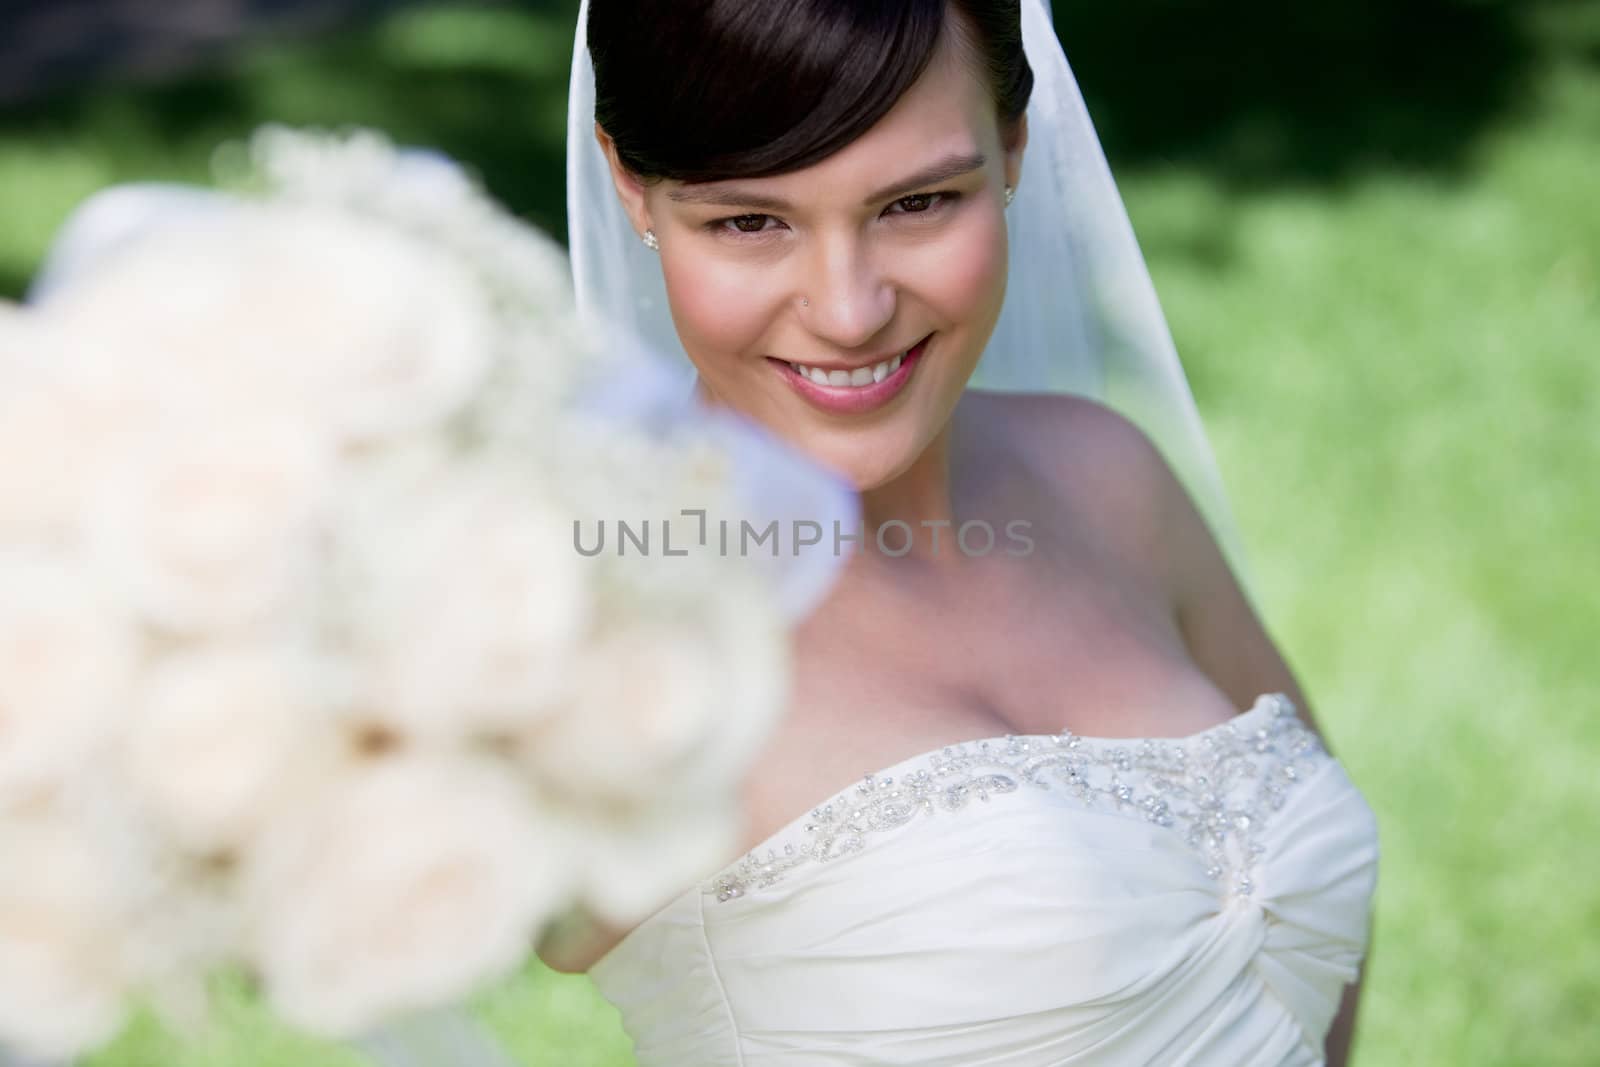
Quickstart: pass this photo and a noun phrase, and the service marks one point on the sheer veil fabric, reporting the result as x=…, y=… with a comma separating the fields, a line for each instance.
x=1080, y=313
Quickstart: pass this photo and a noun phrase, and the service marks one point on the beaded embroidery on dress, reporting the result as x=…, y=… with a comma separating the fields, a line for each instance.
x=1218, y=784
x=1028, y=900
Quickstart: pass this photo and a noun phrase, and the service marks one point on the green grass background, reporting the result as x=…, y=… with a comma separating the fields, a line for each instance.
x=1376, y=231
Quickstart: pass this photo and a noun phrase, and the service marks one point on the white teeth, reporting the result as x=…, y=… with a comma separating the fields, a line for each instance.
x=851, y=378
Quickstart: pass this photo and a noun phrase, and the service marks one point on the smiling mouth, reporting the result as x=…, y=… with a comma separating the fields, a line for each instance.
x=859, y=377
x=857, y=391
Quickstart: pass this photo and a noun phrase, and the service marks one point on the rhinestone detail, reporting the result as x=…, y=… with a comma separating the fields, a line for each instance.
x=1217, y=787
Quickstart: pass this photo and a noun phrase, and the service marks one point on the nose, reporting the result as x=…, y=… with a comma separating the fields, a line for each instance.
x=851, y=299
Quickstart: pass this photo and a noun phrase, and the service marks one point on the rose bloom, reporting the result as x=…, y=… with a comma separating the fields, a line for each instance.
x=66, y=662
x=632, y=860
x=474, y=603
x=218, y=740
x=59, y=420
x=666, y=705
x=63, y=974
x=211, y=525
x=408, y=883
x=350, y=324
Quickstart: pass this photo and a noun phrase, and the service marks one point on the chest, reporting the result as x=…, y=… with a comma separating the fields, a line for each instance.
x=1068, y=638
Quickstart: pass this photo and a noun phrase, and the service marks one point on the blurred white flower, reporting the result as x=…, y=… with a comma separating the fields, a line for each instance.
x=363, y=171
x=272, y=469
x=542, y=350
x=633, y=861
x=479, y=605
x=407, y=884
x=19, y=343
x=212, y=524
x=219, y=740
x=175, y=921
x=751, y=638
x=421, y=191
x=645, y=699
x=35, y=430
x=66, y=663
x=671, y=478
x=57, y=425
x=665, y=704
x=354, y=327
x=63, y=976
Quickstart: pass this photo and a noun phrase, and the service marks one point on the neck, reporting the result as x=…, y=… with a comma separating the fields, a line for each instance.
x=920, y=498
x=918, y=503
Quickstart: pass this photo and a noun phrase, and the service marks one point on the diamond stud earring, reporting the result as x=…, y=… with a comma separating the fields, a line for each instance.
x=650, y=241
x=1010, y=193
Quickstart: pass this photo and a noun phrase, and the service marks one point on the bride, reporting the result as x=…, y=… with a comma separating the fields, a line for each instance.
x=1047, y=792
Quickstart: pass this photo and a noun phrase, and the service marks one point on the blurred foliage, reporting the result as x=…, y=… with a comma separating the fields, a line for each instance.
x=1258, y=92
x=1374, y=231
x=1263, y=93
x=484, y=83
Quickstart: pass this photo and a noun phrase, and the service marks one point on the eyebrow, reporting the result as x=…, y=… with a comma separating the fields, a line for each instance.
x=951, y=166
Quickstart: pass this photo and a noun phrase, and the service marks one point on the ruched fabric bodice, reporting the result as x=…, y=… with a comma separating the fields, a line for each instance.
x=1025, y=901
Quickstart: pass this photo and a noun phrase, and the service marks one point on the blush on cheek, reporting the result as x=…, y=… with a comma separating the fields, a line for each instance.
x=718, y=313
x=972, y=280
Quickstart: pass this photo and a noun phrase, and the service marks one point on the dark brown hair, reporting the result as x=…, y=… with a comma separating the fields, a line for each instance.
x=709, y=90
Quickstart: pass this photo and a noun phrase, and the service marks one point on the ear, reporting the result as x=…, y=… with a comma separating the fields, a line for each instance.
x=630, y=190
x=1014, y=147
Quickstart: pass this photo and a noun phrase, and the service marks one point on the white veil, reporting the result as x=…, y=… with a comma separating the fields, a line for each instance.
x=1080, y=313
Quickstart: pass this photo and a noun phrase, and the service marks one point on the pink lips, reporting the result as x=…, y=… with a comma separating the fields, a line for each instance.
x=849, y=399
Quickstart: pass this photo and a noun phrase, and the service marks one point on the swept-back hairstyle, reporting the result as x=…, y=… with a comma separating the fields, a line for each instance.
x=710, y=90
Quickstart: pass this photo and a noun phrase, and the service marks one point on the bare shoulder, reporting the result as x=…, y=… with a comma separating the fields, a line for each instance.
x=1073, y=436
x=1094, y=459
x=1045, y=411
x=1112, y=470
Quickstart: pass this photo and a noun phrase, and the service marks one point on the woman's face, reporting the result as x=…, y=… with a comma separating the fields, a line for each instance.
x=843, y=267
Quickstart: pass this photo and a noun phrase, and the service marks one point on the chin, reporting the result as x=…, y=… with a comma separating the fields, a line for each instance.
x=866, y=451
x=867, y=467
x=875, y=458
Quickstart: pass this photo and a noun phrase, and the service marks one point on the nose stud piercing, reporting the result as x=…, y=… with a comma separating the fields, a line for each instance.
x=804, y=302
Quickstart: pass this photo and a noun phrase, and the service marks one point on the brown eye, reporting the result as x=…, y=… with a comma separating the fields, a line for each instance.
x=749, y=223
x=933, y=205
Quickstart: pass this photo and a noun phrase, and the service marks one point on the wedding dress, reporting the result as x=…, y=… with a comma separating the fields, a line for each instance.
x=1028, y=900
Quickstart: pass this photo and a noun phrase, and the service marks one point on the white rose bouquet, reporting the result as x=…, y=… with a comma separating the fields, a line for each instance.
x=301, y=673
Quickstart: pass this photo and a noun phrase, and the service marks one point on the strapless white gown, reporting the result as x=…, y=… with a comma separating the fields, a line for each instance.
x=1025, y=901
